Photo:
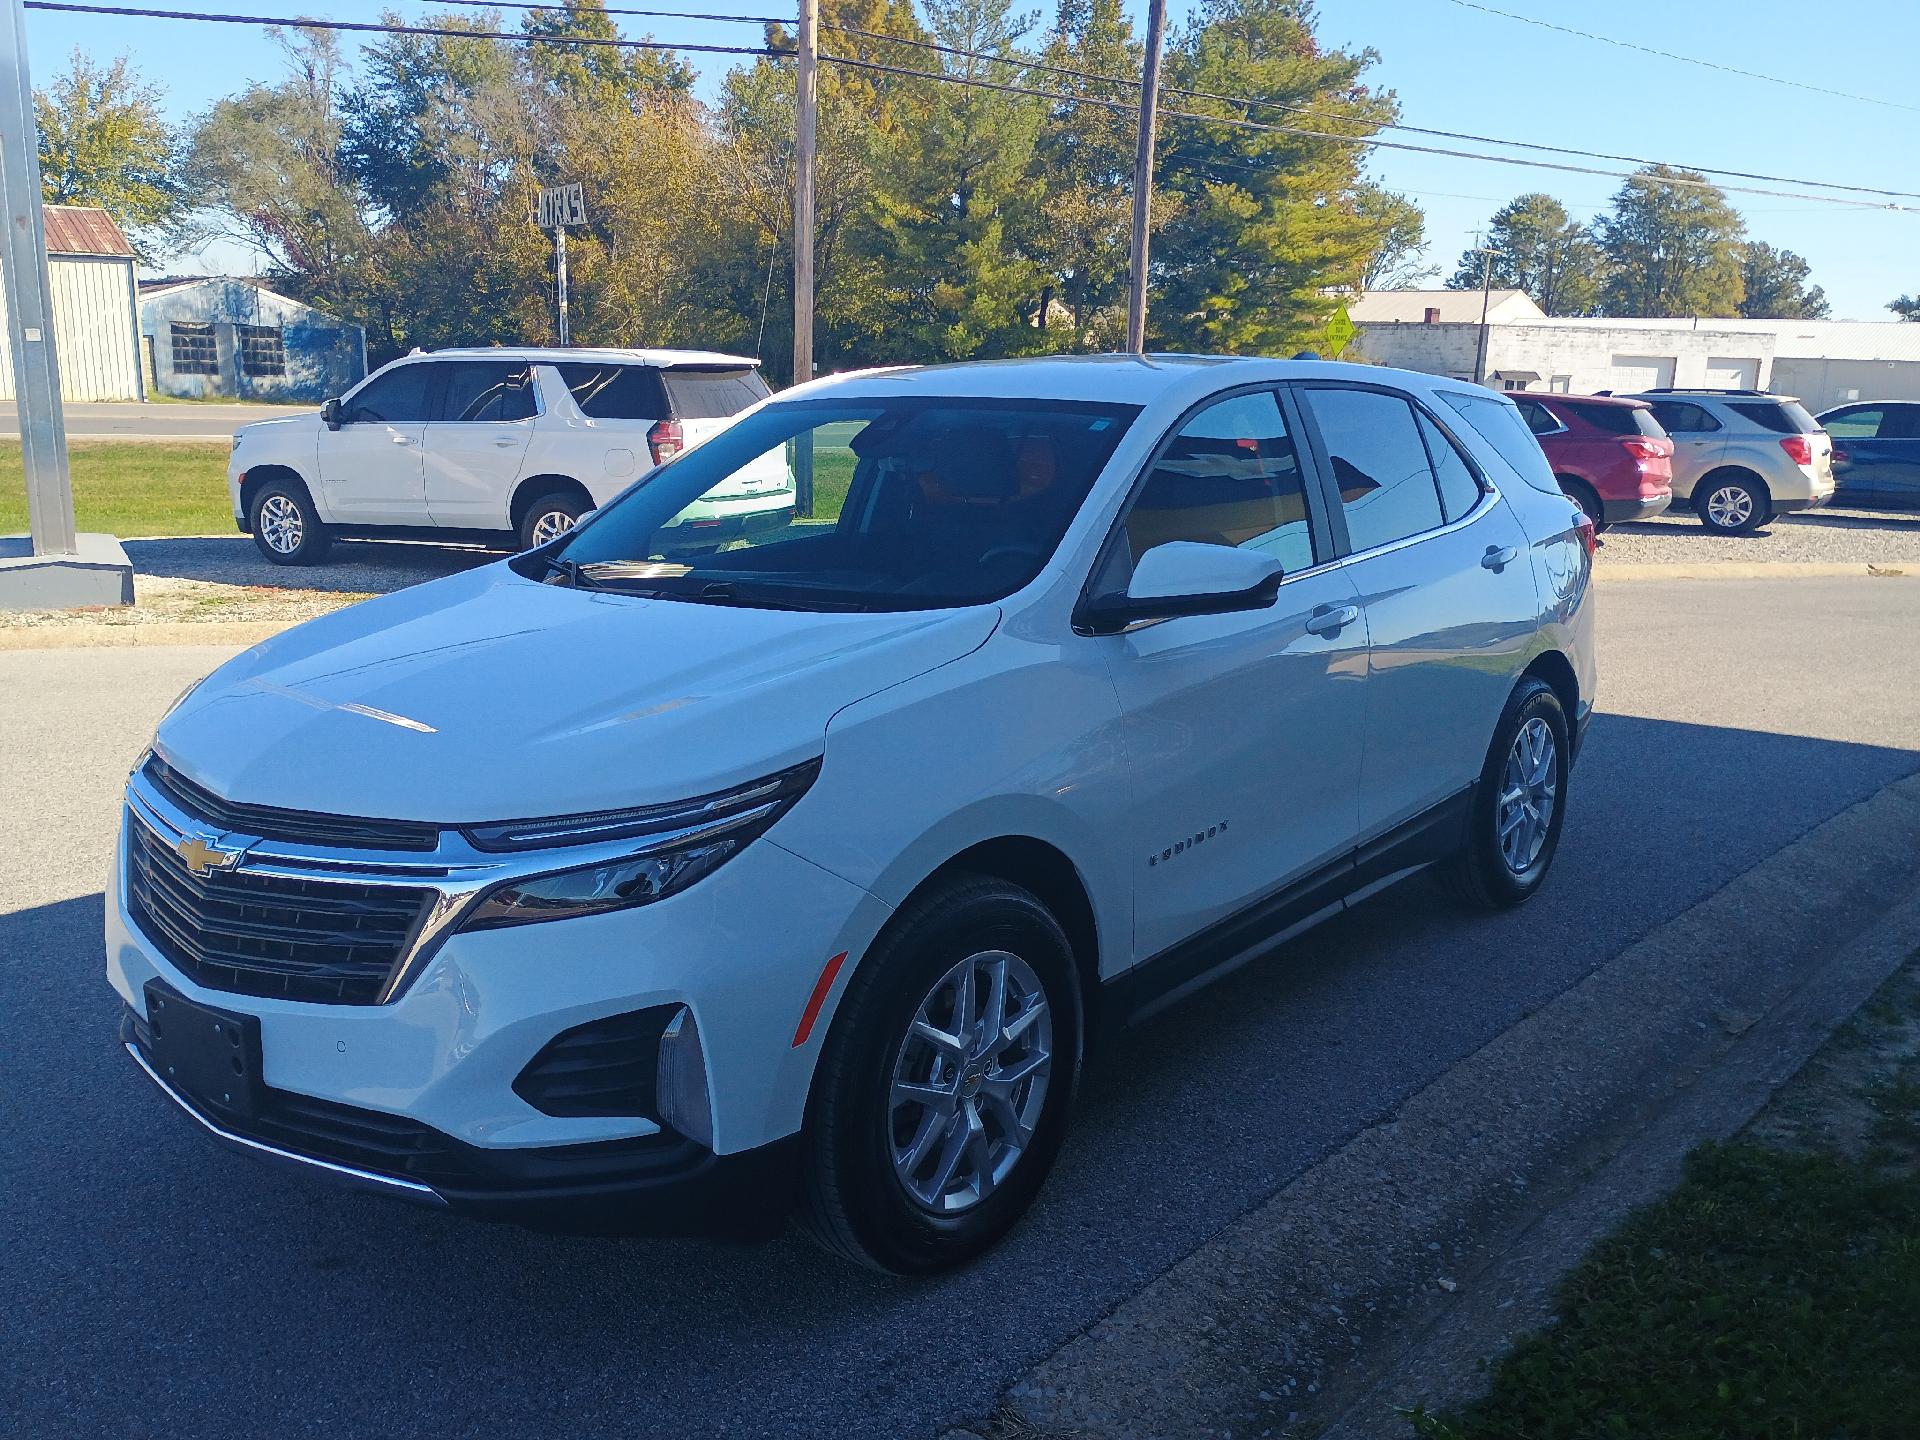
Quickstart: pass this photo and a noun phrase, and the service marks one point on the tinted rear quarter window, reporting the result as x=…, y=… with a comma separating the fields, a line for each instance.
x=1677, y=417
x=714, y=392
x=1782, y=417
x=1498, y=423
x=1459, y=488
x=616, y=392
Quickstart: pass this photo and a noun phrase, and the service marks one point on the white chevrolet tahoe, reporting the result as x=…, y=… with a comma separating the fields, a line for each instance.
x=496, y=440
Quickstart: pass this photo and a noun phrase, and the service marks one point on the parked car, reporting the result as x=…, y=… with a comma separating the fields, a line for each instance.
x=648, y=892
x=1876, y=454
x=1741, y=457
x=1609, y=454
x=480, y=442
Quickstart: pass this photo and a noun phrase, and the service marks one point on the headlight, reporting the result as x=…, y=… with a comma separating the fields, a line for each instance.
x=677, y=845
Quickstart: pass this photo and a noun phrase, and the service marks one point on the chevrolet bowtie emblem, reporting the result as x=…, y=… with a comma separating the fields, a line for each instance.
x=203, y=859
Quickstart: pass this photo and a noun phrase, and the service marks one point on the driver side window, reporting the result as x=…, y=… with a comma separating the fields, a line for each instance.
x=396, y=398
x=1230, y=476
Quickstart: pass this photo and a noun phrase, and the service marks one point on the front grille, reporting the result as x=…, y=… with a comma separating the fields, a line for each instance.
x=269, y=935
x=269, y=822
x=604, y=1067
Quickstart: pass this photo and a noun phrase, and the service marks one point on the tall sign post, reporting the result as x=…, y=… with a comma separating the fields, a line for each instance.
x=805, y=116
x=23, y=257
x=559, y=207
x=1143, y=177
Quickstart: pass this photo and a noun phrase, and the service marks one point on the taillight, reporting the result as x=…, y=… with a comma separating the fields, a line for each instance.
x=1645, y=447
x=1798, y=447
x=1589, y=537
x=1840, y=457
x=666, y=440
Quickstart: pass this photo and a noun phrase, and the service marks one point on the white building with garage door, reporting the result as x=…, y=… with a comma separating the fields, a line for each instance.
x=1824, y=362
x=96, y=327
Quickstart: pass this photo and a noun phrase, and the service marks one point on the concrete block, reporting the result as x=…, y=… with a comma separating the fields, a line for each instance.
x=97, y=573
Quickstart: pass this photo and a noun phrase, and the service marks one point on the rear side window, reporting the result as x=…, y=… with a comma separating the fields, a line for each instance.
x=1498, y=423
x=1379, y=464
x=1540, y=420
x=1459, y=489
x=1230, y=477
x=488, y=390
x=1614, y=419
x=1782, y=417
x=712, y=392
x=616, y=392
x=1677, y=417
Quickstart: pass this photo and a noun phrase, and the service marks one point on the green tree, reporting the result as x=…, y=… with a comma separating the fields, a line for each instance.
x=1541, y=250
x=1776, y=286
x=1264, y=232
x=1400, y=240
x=1671, y=248
x=1907, y=307
x=103, y=142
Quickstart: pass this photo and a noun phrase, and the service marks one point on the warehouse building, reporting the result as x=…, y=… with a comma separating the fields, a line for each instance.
x=96, y=332
x=1824, y=362
x=221, y=335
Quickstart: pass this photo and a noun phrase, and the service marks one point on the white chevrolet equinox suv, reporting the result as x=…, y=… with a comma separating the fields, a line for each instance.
x=499, y=441
x=616, y=886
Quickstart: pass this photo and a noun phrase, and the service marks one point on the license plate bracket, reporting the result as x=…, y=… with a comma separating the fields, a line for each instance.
x=211, y=1056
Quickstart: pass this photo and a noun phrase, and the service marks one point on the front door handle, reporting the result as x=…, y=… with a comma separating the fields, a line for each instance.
x=506, y=442
x=1498, y=557
x=399, y=439
x=1332, y=619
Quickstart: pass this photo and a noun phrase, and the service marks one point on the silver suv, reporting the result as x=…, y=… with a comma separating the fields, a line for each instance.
x=1741, y=457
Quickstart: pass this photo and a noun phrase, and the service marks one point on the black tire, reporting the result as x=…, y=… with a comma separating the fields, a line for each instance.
x=1481, y=871
x=852, y=1200
x=1746, y=496
x=1586, y=497
x=285, y=526
x=551, y=505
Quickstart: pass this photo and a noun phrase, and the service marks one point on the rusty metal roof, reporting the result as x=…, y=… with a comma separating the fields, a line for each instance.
x=83, y=230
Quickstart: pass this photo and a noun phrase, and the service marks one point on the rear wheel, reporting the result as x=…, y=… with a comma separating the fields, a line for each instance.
x=285, y=526
x=942, y=1094
x=1520, y=803
x=1586, y=497
x=1732, y=502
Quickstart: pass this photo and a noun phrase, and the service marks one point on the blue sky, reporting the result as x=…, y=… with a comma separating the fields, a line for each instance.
x=1454, y=68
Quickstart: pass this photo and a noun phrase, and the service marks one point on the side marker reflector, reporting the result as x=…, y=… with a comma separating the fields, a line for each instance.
x=821, y=988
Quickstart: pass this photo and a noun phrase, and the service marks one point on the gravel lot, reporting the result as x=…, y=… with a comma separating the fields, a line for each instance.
x=1850, y=536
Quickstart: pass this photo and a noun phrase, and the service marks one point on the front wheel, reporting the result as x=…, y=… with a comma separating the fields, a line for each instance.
x=942, y=1094
x=285, y=526
x=1520, y=803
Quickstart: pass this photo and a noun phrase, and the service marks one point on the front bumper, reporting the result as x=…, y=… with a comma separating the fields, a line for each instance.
x=1641, y=508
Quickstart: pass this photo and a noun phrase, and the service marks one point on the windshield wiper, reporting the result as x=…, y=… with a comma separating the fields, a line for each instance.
x=559, y=569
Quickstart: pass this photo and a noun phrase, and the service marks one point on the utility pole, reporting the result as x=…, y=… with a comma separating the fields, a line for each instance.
x=560, y=276
x=1143, y=177
x=23, y=256
x=805, y=114
x=1487, y=256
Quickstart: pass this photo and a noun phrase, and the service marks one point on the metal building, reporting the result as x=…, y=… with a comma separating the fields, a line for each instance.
x=95, y=330
x=230, y=336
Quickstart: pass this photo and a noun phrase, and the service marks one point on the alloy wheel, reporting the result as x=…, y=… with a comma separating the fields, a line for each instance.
x=281, y=525
x=1730, y=507
x=551, y=524
x=1529, y=788
x=970, y=1081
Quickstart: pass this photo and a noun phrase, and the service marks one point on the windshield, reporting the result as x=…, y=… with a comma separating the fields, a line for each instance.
x=888, y=504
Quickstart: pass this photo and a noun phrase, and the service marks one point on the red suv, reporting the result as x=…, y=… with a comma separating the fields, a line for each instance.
x=1609, y=455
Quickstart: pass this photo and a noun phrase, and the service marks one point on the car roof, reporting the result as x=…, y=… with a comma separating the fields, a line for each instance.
x=1870, y=405
x=1121, y=379
x=1707, y=393
x=561, y=354
x=1618, y=402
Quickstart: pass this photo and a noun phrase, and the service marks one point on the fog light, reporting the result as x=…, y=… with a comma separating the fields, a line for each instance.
x=682, y=1084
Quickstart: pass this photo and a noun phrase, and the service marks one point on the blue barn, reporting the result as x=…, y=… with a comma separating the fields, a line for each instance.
x=227, y=336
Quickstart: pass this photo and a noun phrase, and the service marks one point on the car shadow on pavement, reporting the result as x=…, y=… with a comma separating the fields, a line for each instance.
x=1860, y=520
x=352, y=566
x=170, y=1284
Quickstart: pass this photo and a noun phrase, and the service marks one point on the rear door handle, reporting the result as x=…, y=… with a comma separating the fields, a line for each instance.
x=1332, y=619
x=1498, y=557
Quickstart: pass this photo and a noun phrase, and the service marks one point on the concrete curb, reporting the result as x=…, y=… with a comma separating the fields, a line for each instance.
x=1297, y=1315
x=1751, y=570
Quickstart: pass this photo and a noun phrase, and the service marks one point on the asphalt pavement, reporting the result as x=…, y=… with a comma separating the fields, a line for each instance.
x=153, y=420
x=161, y=1286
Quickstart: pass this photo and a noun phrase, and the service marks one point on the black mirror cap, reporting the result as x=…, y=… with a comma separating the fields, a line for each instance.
x=330, y=413
x=1110, y=614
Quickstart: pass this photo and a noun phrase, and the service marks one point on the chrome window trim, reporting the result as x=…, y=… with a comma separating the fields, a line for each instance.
x=1489, y=496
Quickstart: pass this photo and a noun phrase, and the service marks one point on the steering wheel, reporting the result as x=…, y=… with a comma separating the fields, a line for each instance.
x=1019, y=549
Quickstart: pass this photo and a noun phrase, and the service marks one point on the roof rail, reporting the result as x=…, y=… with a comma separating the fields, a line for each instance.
x=1707, y=390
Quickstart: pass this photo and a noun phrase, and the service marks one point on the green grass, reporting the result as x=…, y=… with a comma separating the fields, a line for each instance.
x=1772, y=1295
x=128, y=488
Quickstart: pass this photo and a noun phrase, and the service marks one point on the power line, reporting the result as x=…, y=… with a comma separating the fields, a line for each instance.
x=1683, y=59
x=286, y=23
x=1362, y=140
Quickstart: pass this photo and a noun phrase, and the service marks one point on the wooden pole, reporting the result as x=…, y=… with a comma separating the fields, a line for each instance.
x=1143, y=177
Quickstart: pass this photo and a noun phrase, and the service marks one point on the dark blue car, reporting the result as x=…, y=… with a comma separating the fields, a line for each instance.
x=1876, y=453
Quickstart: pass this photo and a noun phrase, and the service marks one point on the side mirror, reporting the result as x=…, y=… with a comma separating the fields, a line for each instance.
x=1184, y=577
x=330, y=413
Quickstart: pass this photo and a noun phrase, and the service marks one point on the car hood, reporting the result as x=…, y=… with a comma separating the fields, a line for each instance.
x=280, y=424
x=487, y=696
